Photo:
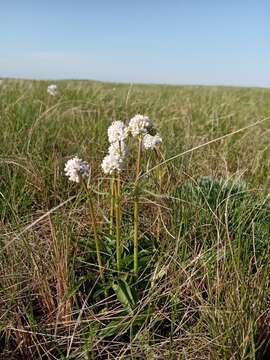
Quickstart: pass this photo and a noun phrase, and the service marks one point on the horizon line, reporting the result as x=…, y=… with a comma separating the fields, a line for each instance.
x=42, y=79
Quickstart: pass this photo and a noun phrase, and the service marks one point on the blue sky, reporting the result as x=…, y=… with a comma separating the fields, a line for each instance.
x=178, y=42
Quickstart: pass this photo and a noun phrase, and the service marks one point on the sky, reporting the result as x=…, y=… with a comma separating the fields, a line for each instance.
x=208, y=42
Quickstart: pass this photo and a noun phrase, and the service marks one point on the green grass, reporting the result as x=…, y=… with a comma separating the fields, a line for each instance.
x=203, y=287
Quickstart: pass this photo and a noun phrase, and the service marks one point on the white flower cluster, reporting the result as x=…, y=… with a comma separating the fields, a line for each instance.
x=151, y=141
x=139, y=124
x=112, y=162
x=142, y=125
x=76, y=168
x=52, y=90
x=115, y=160
x=117, y=132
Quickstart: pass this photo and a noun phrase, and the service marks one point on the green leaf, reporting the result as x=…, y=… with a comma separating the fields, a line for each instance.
x=124, y=294
x=116, y=326
x=121, y=324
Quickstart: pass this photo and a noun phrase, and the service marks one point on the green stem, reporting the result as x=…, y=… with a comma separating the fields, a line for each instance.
x=112, y=205
x=136, y=235
x=136, y=208
x=117, y=191
x=159, y=180
x=96, y=237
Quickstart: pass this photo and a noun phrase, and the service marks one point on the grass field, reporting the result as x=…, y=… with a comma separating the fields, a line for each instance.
x=202, y=291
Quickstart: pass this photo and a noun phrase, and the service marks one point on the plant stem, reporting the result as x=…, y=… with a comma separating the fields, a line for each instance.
x=159, y=180
x=94, y=224
x=136, y=208
x=136, y=242
x=112, y=205
x=117, y=192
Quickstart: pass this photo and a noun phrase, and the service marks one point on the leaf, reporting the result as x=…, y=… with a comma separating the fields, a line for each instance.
x=158, y=274
x=122, y=324
x=124, y=294
x=109, y=245
x=116, y=326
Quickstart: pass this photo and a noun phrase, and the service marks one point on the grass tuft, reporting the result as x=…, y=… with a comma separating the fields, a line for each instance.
x=202, y=225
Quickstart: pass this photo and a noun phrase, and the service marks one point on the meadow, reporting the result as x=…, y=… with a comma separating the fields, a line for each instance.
x=202, y=288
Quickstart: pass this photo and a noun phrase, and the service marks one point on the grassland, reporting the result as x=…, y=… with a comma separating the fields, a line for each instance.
x=203, y=288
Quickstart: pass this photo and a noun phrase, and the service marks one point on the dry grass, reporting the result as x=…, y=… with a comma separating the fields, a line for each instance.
x=203, y=290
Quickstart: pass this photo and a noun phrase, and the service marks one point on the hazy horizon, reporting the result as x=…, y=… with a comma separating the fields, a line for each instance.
x=132, y=83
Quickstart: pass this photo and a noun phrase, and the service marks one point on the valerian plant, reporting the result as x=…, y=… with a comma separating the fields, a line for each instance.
x=141, y=132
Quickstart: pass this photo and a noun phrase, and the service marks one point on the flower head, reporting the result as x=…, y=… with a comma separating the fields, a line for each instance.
x=52, y=90
x=76, y=168
x=112, y=162
x=151, y=141
x=139, y=124
x=117, y=132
